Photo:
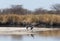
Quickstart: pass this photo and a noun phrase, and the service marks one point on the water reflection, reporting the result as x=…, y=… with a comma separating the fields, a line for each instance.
x=31, y=35
x=40, y=36
x=50, y=33
x=16, y=37
x=22, y=37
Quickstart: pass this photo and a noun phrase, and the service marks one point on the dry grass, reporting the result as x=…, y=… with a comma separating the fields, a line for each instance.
x=30, y=18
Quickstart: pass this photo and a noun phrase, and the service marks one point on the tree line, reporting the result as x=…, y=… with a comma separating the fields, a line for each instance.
x=18, y=9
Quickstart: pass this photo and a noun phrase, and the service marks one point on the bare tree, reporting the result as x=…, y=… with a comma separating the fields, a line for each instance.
x=40, y=11
x=16, y=9
x=56, y=7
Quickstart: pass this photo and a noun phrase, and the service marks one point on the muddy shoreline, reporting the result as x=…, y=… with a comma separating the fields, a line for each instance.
x=23, y=30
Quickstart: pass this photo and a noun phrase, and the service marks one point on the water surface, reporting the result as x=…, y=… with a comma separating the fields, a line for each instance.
x=41, y=36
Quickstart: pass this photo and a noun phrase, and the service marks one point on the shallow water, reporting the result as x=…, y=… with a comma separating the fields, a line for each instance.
x=41, y=36
x=28, y=38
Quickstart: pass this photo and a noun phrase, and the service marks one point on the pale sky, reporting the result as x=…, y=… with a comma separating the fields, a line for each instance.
x=29, y=4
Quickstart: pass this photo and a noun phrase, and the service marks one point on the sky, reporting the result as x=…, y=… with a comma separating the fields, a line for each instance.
x=29, y=4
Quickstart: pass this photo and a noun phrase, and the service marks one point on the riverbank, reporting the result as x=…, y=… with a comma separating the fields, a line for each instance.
x=22, y=30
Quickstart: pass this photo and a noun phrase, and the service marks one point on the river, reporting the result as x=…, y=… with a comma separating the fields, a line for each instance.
x=40, y=36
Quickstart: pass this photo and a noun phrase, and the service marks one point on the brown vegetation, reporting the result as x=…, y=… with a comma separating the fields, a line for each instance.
x=47, y=18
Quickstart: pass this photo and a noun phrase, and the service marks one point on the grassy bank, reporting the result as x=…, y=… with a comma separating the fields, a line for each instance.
x=15, y=18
